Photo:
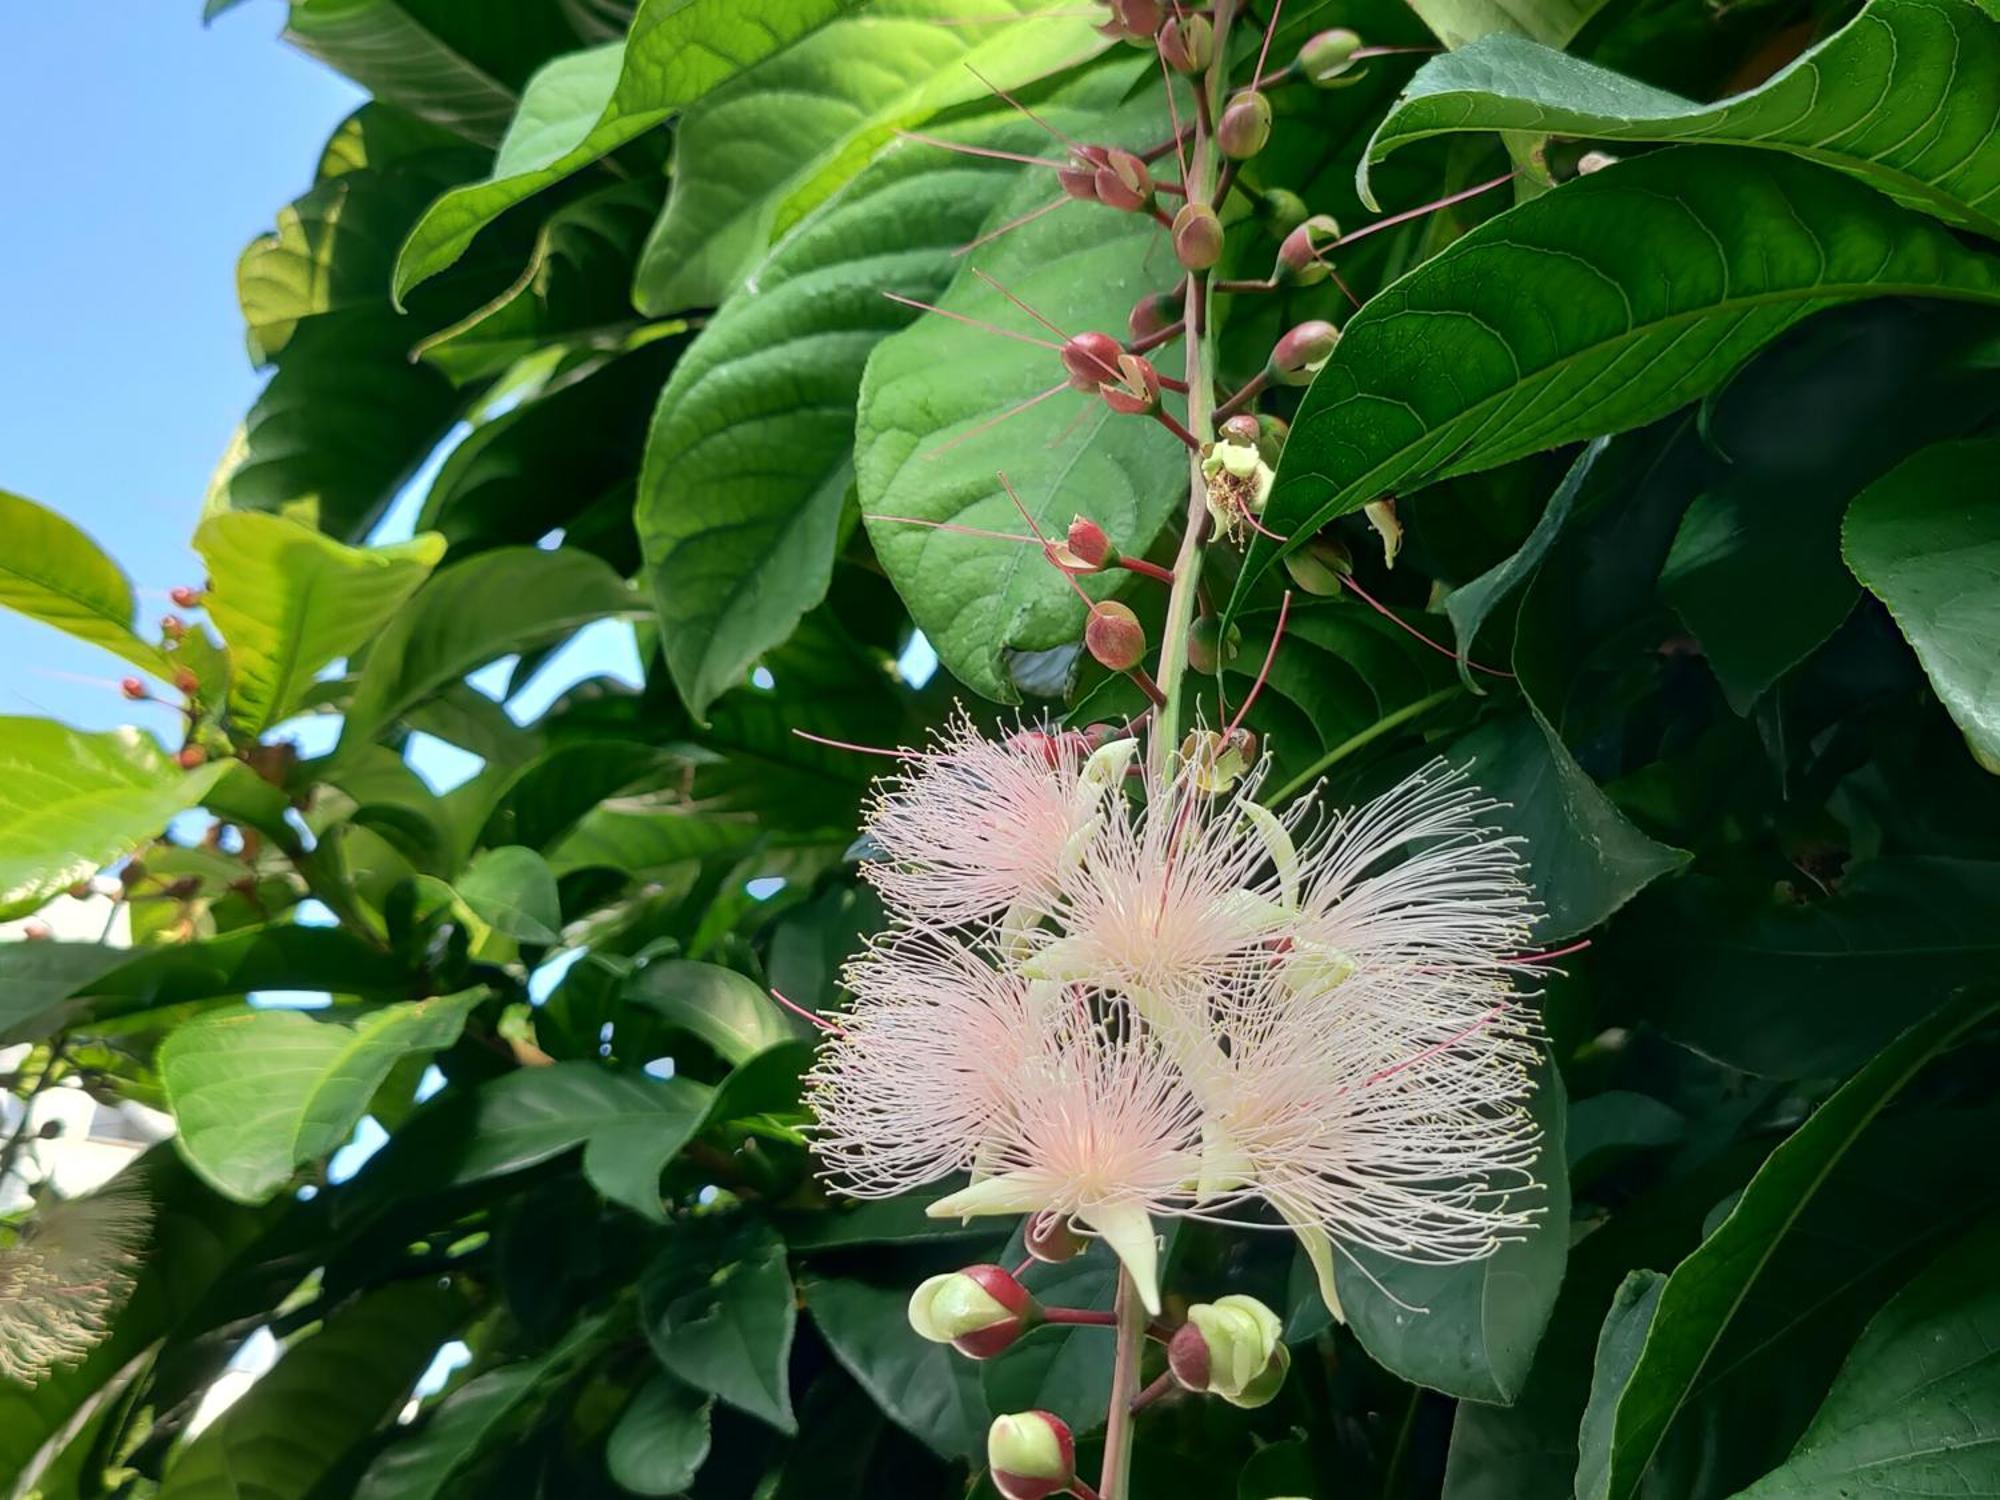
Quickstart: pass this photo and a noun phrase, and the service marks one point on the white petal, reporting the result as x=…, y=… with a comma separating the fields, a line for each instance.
x=1126, y=1228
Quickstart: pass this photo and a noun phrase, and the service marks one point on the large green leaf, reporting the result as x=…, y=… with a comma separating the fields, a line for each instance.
x=513, y=890
x=586, y=104
x=1903, y=98
x=929, y=1390
x=661, y=1439
x=72, y=802
x=756, y=154
x=1918, y=1403
x=924, y=447
x=1794, y=991
x=289, y=600
x=1550, y=22
x=1592, y=309
x=729, y=1012
x=1632, y=1409
x=718, y=1310
x=52, y=572
x=457, y=63
x=326, y=1395
x=258, y=1093
x=1925, y=539
x=1478, y=1324
x=751, y=455
x=506, y=600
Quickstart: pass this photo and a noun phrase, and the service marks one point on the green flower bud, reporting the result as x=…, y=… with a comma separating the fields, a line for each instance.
x=1245, y=126
x=1187, y=43
x=1030, y=1455
x=1328, y=58
x=979, y=1310
x=1209, y=649
x=1319, y=566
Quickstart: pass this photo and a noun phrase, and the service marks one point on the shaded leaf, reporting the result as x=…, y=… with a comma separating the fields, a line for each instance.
x=718, y=1311
x=929, y=1390
x=730, y=1013
x=513, y=890
x=661, y=1439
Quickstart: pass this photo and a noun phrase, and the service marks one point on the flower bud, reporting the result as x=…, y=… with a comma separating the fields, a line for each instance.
x=1091, y=359
x=1136, y=392
x=1319, y=566
x=83, y=890
x=173, y=627
x=191, y=756
x=37, y=932
x=1030, y=1455
x=1302, y=256
x=1079, y=178
x=979, y=1311
x=1327, y=59
x=1139, y=18
x=1382, y=516
x=1051, y=1237
x=1187, y=43
x=1245, y=126
x=1197, y=236
x=1233, y=1348
x=1303, y=351
x=132, y=688
x=1114, y=637
x=1123, y=182
x=1281, y=211
x=186, y=683
x=184, y=596
x=1594, y=161
x=1089, y=545
x=1242, y=428
x=1209, y=648
x=1154, y=314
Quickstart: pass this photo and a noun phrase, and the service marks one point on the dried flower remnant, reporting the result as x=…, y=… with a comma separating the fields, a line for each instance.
x=67, y=1270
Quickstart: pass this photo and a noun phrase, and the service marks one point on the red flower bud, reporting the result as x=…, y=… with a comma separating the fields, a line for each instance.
x=1197, y=236
x=1327, y=59
x=184, y=596
x=173, y=627
x=1136, y=393
x=37, y=932
x=1030, y=1455
x=980, y=1310
x=1135, y=20
x=1150, y=315
x=1123, y=182
x=191, y=756
x=1051, y=1238
x=1300, y=353
x=1114, y=636
x=1089, y=544
x=132, y=688
x=1187, y=43
x=1091, y=359
x=186, y=682
x=1245, y=127
x=1302, y=256
x=1242, y=428
x=1187, y=1357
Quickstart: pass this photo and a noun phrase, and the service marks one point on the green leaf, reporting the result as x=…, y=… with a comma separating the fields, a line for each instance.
x=289, y=600
x=661, y=1440
x=1479, y=1324
x=71, y=802
x=754, y=155
x=1619, y=1345
x=730, y=1013
x=1551, y=22
x=1918, y=1400
x=1903, y=98
x=1062, y=1370
x=513, y=890
x=1469, y=605
x=1631, y=1411
x=1793, y=990
x=1608, y=1126
x=929, y=1390
x=1925, y=539
x=1585, y=859
x=257, y=1094
x=546, y=799
x=924, y=449
x=52, y=572
x=586, y=104
x=1591, y=309
x=326, y=1395
x=507, y=600
x=751, y=456
x=719, y=1313
x=456, y=63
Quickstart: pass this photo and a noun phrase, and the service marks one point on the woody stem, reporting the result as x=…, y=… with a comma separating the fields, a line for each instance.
x=1131, y=1336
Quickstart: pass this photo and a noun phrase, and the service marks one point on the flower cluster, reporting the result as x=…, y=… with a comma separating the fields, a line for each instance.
x=67, y=1271
x=1107, y=1007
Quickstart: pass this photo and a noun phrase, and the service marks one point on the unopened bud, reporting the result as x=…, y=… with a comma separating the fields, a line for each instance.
x=1089, y=545
x=184, y=596
x=1197, y=236
x=191, y=756
x=173, y=627
x=1319, y=566
x=1123, y=182
x=1187, y=43
x=83, y=890
x=1245, y=127
x=1281, y=211
x=1154, y=314
x=1382, y=516
x=132, y=688
x=1302, y=257
x=1594, y=161
x=1303, y=351
x=37, y=932
x=1079, y=178
x=1114, y=637
x=1327, y=59
x=1233, y=1348
x=979, y=1311
x=1210, y=649
x=1051, y=1237
x=1136, y=392
x=186, y=682
x=1241, y=428
x=1091, y=359
x=1030, y=1455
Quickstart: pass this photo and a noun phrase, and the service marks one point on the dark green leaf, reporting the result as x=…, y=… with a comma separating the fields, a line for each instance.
x=929, y=1390
x=730, y=1013
x=1619, y=1346
x=513, y=890
x=661, y=1440
x=718, y=1310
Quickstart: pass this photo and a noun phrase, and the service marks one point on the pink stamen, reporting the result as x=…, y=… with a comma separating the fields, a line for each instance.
x=990, y=281
x=991, y=422
x=805, y=1015
x=1553, y=953
x=1411, y=213
x=1034, y=15
x=1017, y=104
x=1257, y=77
x=1261, y=529
x=1048, y=550
x=953, y=526
x=987, y=151
x=979, y=323
x=1264, y=673
x=1174, y=113
x=1395, y=619
x=1012, y=224
x=820, y=739
x=1434, y=1049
